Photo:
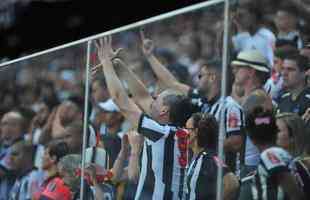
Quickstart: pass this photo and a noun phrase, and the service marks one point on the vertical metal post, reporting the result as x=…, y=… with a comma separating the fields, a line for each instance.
x=85, y=126
x=219, y=194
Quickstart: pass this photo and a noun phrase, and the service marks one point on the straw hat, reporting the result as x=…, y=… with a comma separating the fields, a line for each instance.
x=253, y=59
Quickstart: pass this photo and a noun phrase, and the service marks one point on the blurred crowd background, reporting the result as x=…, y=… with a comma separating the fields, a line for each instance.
x=38, y=87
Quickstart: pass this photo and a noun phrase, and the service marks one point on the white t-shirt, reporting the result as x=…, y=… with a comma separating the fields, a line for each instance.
x=263, y=40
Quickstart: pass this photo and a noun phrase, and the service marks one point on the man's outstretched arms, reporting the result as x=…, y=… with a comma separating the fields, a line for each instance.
x=140, y=94
x=106, y=54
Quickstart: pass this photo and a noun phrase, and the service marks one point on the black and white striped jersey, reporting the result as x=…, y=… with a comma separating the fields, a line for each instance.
x=202, y=176
x=164, y=160
x=233, y=113
x=24, y=186
x=234, y=123
x=263, y=183
x=234, y=116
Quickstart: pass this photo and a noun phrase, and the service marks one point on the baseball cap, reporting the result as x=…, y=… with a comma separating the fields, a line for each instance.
x=253, y=59
x=108, y=106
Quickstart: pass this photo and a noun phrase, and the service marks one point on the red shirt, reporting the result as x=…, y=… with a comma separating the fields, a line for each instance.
x=55, y=189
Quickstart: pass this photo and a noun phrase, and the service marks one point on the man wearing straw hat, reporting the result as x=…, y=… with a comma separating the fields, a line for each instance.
x=251, y=71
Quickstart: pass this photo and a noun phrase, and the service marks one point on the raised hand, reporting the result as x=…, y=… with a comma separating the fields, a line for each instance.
x=105, y=52
x=135, y=141
x=236, y=19
x=147, y=44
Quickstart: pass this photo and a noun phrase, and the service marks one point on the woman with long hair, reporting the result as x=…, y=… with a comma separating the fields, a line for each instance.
x=293, y=136
x=202, y=173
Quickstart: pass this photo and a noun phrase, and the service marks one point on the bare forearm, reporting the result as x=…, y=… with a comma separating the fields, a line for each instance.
x=119, y=166
x=114, y=85
x=119, y=95
x=140, y=95
x=165, y=76
x=133, y=167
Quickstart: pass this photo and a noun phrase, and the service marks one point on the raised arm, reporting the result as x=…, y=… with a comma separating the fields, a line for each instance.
x=46, y=134
x=140, y=94
x=118, y=170
x=128, y=108
x=162, y=73
x=136, y=144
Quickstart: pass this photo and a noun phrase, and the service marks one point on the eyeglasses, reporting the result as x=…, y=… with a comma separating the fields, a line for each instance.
x=189, y=128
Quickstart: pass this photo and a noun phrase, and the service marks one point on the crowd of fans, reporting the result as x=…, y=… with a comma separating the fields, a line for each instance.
x=153, y=116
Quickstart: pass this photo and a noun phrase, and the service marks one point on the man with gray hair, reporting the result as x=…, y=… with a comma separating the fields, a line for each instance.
x=164, y=160
x=12, y=130
x=68, y=167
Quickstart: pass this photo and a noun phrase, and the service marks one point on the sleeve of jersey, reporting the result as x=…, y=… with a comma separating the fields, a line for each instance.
x=151, y=129
x=234, y=121
x=275, y=161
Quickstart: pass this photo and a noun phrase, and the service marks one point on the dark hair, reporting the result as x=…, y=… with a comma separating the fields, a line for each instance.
x=289, y=8
x=180, y=107
x=167, y=54
x=286, y=42
x=301, y=61
x=58, y=148
x=282, y=53
x=79, y=101
x=252, y=9
x=215, y=63
x=261, y=126
x=51, y=101
x=180, y=72
x=207, y=134
x=27, y=148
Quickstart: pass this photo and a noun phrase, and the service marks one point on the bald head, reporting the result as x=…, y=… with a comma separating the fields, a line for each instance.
x=12, y=124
